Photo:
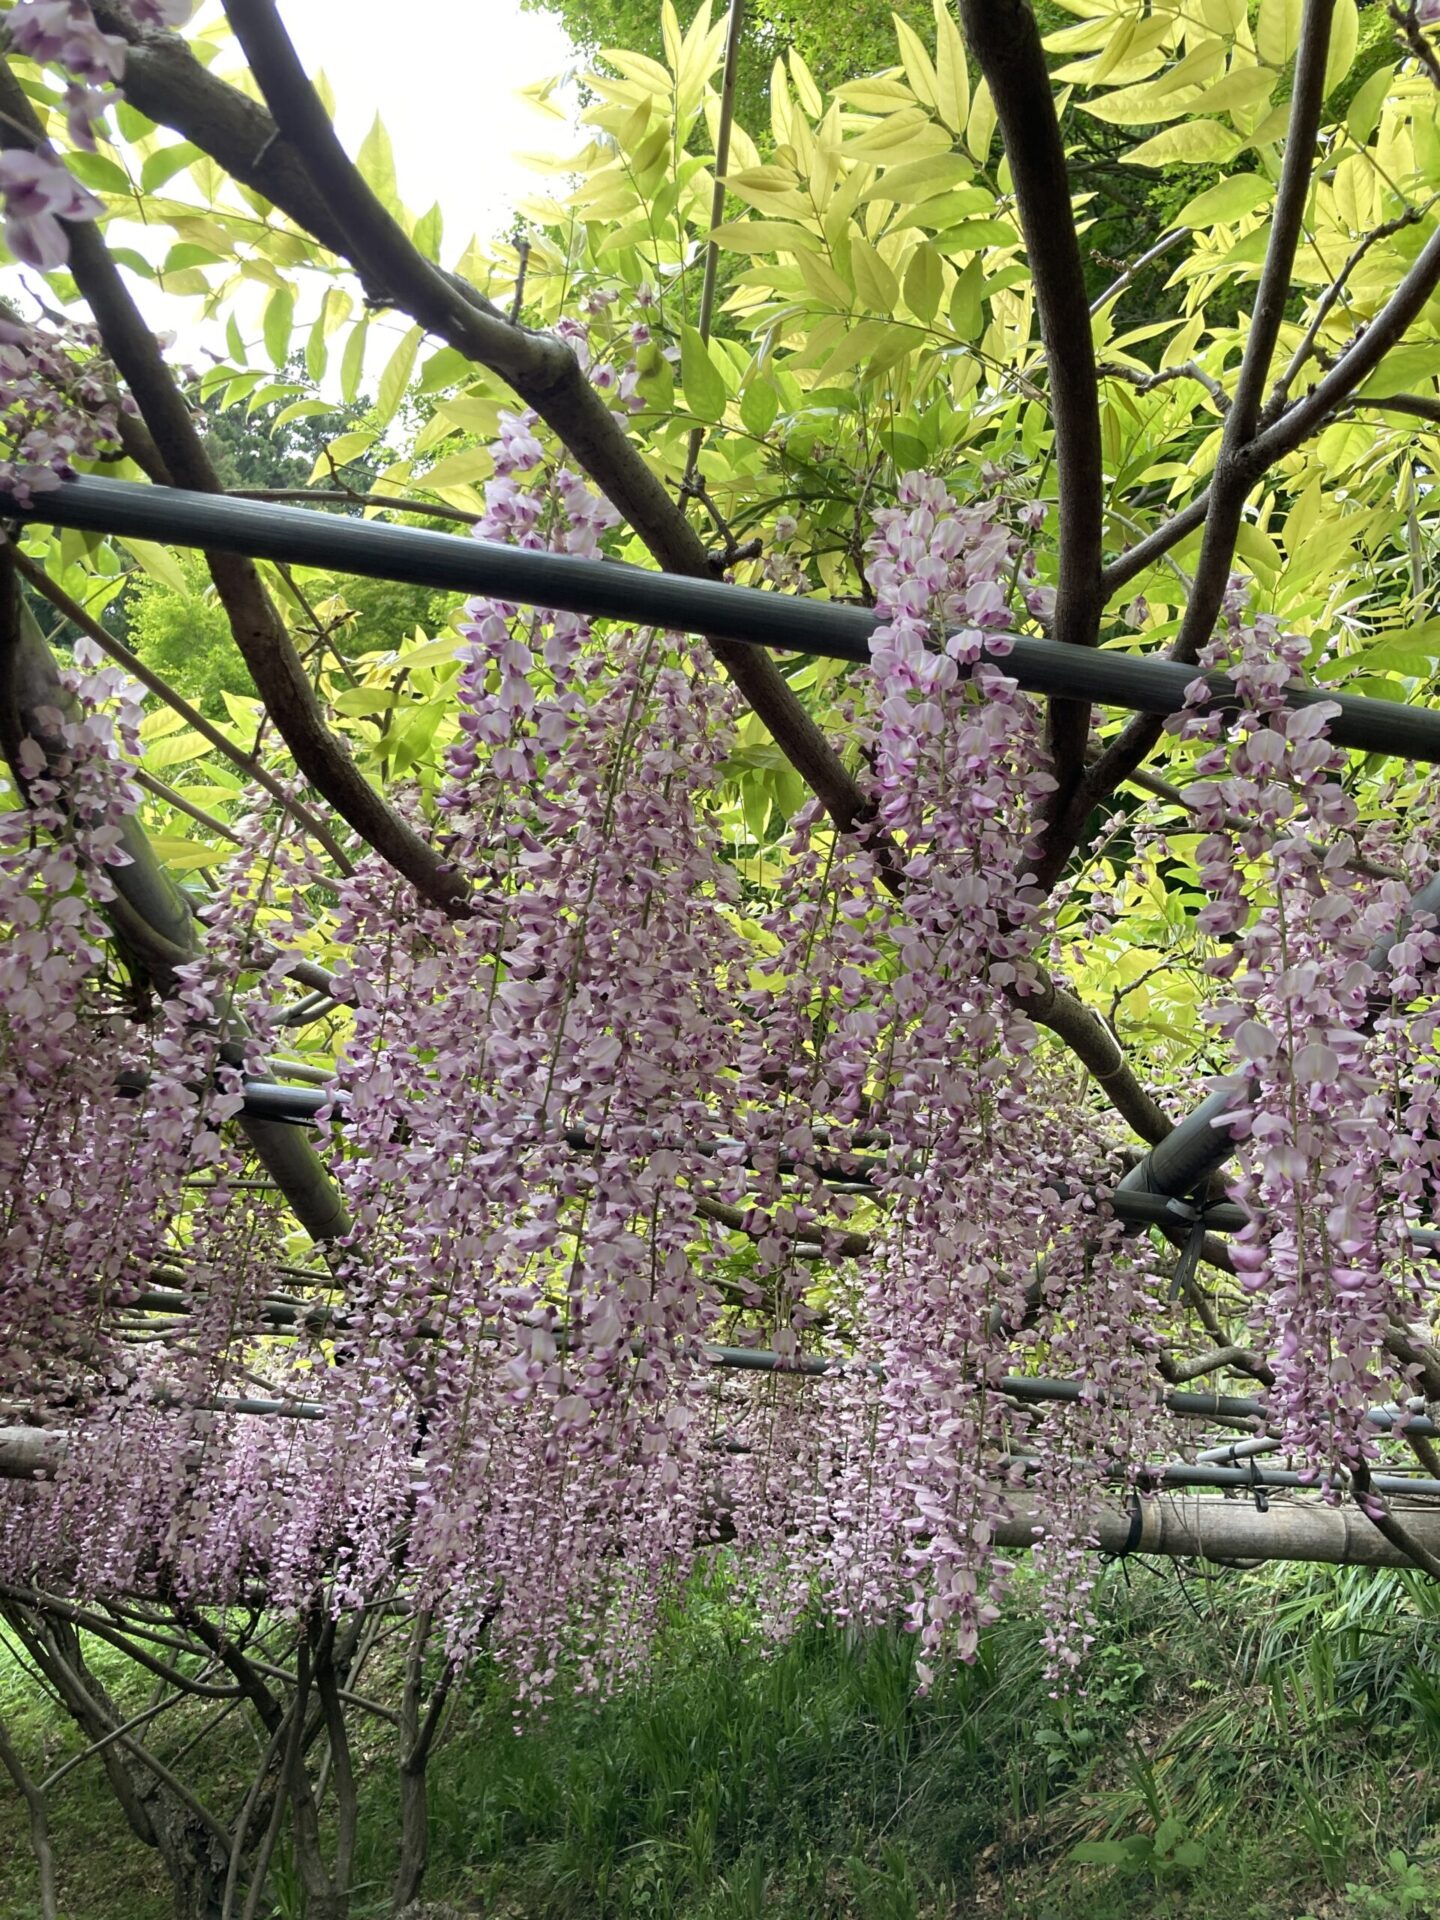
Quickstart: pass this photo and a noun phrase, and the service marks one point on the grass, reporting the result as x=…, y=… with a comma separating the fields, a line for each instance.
x=1251, y=1746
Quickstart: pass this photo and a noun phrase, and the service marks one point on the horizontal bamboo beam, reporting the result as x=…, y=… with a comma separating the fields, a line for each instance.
x=1184, y=1527
x=301, y=536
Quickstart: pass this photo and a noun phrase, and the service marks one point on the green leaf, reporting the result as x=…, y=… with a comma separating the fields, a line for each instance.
x=364, y=700
x=179, y=854
x=165, y=163
x=924, y=282
x=278, y=324
x=433, y=653
x=460, y=469
x=966, y=316
x=1168, y=1834
x=700, y=379
x=919, y=179
x=952, y=78
x=396, y=377
x=176, y=749
x=341, y=451
x=301, y=410
x=1277, y=30
x=1102, y=1853
x=235, y=345
x=1344, y=39
x=99, y=171
x=759, y=404
x=766, y=236
x=874, y=282
x=980, y=128
x=1189, y=1854
x=1404, y=367
x=429, y=232
x=352, y=361
x=446, y=367
x=1227, y=200
x=376, y=161
x=1364, y=113
x=1191, y=142
x=159, y=563
x=971, y=235
x=919, y=67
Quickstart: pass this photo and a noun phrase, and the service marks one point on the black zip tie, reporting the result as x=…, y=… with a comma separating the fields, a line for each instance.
x=1258, y=1488
x=1190, y=1253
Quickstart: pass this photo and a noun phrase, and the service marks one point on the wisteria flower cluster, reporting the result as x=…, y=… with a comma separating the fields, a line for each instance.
x=57, y=404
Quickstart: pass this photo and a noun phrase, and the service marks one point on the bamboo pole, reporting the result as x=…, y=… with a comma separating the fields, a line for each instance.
x=745, y=616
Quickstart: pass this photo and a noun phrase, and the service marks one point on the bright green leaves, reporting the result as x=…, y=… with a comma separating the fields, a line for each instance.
x=1277, y=30
x=952, y=79
x=1192, y=142
x=700, y=378
x=278, y=324
x=1227, y=201
x=376, y=161
x=924, y=282
x=396, y=377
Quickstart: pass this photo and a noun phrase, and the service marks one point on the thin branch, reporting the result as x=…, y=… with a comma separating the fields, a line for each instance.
x=1005, y=40
x=1304, y=418
x=340, y=497
x=1154, y=546
x=1389, y=1526
x=1307, y=101
x=1419, y=406
x=1233, y=476
x=730, y=74
x=1117, y=286
x=1326, y=302
x=160, y=791
x=1144, y=381
x=1412, y=32
x=37, y=1806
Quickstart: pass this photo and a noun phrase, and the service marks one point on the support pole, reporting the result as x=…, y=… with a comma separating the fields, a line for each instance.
x=602, y=589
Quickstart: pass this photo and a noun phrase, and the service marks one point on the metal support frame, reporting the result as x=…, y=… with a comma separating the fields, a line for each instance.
x=303, y=536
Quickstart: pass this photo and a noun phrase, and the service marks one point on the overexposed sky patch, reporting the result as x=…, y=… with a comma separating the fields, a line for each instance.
x=443, y=75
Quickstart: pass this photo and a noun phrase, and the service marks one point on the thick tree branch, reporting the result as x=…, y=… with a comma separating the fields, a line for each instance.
x=1306, y=417
x=1005, y=40
x=1234, y=475
x=1307, y=101
x=1419, y=406
x=1325, y=304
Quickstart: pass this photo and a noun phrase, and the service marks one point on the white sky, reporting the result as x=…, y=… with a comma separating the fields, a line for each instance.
x=443, y=75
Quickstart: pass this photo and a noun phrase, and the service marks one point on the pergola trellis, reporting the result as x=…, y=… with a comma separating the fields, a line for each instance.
x=1165, y=1188
x=286, y=150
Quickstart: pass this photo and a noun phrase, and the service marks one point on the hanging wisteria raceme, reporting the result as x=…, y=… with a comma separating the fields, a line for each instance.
x=530, y=1091
x=1296, y=921
x=57, y=402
